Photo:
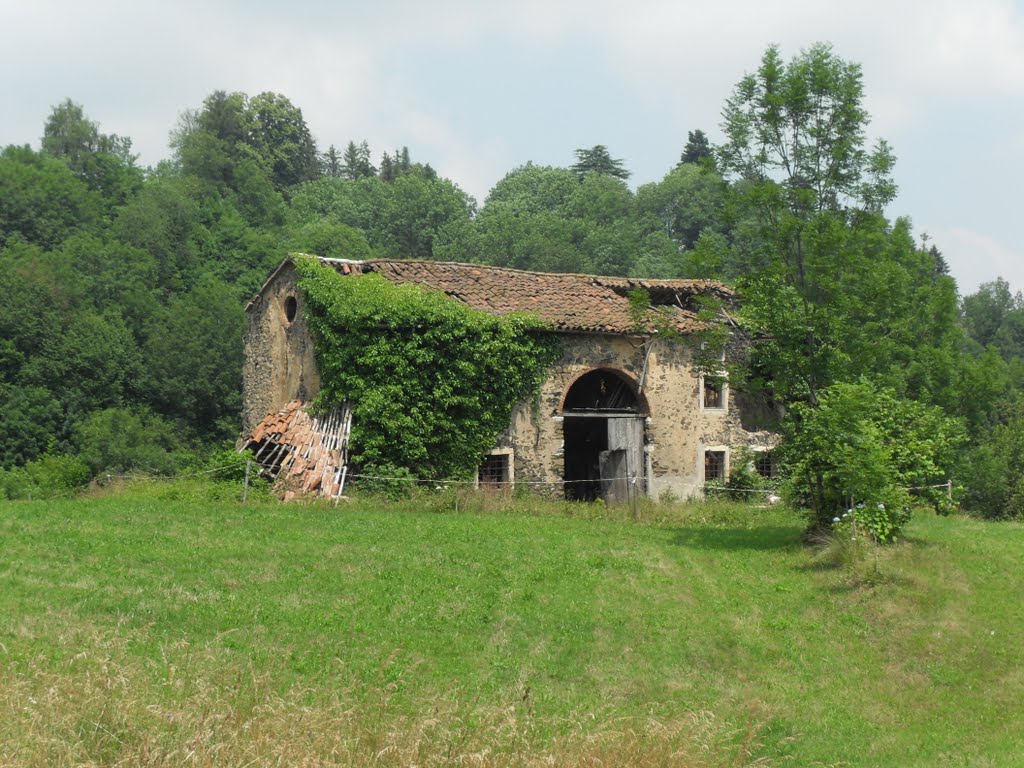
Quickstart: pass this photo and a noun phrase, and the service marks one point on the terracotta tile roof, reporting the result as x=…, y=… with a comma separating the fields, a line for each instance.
x=565, y=301
x=300, y=453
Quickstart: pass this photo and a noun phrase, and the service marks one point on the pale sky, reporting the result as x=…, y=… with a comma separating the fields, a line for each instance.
x=478, y=88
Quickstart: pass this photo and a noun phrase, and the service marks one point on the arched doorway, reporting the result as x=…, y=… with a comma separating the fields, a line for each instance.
x=603, y=437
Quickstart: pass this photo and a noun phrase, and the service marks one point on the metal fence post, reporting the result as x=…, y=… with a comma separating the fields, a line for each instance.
x=245, y=488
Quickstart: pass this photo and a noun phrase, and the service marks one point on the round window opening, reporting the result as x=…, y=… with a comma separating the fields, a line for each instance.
x=290, y=308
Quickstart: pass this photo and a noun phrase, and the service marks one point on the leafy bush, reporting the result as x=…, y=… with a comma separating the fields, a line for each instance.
x=861, y=450
x=229, y=464
x=993, y=472
x=387, y=480
x=744, y=478
x=119, y=440
x=29, y=420
x=45, y=477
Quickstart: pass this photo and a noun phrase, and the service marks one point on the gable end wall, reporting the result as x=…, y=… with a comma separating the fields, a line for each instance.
x=279, y=363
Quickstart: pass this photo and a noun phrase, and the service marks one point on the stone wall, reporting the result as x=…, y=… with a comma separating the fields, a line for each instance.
x=280, y=367
x=279, y=363
x=678, y=427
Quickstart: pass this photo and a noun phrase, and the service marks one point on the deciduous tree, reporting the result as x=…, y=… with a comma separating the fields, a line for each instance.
x=41, y=200
x=103, y=161
x=795, y=144
x=839, y=292
x=283, y=144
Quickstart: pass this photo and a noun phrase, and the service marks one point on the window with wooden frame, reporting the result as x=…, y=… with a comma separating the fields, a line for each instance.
x=714, y=391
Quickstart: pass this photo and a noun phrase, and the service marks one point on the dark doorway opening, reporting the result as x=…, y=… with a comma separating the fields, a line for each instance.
x=603, y=439
x=600, y=390
x=585, y=439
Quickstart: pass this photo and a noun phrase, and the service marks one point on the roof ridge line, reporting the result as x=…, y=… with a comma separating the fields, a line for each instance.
x=497, y=268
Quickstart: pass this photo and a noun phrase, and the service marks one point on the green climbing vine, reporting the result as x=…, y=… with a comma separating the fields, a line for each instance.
x=432, y=382
x=710, y=343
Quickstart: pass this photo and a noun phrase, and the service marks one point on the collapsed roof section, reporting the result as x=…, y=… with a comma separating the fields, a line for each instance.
x=566, y=302
x=300, y=453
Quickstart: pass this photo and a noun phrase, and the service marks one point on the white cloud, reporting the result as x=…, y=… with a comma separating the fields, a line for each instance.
x=975, y=258
x=917, y=54
x=980, y=46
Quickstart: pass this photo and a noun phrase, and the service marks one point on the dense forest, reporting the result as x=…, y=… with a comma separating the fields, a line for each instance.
x=120, y=333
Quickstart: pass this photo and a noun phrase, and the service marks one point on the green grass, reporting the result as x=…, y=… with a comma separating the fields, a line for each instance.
x=142, y=626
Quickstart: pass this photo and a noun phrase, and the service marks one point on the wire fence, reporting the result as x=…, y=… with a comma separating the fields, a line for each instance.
x=628, y=478
x=136, y=475
x=253, y=469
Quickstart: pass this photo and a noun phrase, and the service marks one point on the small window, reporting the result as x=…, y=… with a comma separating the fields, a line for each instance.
x=494, y=471
x=291, y=306
x=714, y=390
x=714, y=465
x=764, y=463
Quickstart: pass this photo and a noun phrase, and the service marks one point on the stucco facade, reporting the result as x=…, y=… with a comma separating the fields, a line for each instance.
x=668, y=426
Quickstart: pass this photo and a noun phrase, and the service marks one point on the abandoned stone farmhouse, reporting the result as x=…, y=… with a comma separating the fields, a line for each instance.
x=622, y=412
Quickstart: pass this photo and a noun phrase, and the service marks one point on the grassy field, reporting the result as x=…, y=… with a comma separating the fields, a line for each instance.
x=157, y=628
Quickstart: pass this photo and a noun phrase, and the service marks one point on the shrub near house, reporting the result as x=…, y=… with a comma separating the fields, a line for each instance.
x=863, y=449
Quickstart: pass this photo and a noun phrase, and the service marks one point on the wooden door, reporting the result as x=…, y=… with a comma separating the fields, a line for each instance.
x=622, y=465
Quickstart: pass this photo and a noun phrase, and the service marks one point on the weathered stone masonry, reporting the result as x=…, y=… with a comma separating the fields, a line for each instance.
x=677, y=428
x=279, y=362
x=668, y=412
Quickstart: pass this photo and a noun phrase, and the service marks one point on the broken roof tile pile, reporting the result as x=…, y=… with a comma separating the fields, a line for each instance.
x=301, y=453
x=566, y=302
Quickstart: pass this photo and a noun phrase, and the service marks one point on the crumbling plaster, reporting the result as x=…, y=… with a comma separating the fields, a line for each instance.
x=280, y=367
x=678, y=429
x=279, y=363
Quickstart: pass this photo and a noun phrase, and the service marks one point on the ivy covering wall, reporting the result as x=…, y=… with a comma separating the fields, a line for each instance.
x=432, y=382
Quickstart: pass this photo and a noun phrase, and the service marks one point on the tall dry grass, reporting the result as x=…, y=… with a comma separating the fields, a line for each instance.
x=104, y=704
